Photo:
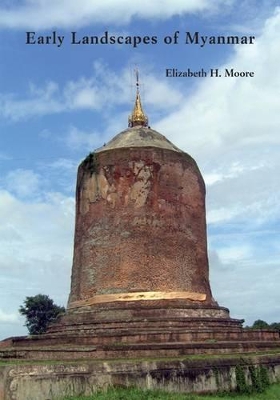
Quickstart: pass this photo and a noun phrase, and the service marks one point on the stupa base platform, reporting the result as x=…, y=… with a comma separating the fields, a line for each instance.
x=134, y=330
x=124, y=319
x=175, y=347
x=23, y=348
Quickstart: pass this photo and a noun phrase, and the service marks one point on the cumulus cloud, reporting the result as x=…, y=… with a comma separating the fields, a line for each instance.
x=77, y=139
x=63, y=164
x=35, y=250
x=249, y=288
x=235, y=133
x=10, y=318
x=241, y=108
x=52, y=13
x=101, y=92
x=39, y=101
x=36, y=222
x=23, y=182
x=50, y=99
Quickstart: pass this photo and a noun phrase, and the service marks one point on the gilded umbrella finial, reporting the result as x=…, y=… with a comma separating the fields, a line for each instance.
x=137, y=118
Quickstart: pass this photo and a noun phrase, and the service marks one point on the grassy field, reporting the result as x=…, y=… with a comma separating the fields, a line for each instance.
x=272, y=393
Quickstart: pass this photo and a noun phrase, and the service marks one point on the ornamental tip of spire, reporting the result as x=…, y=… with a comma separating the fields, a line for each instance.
x=137, y=118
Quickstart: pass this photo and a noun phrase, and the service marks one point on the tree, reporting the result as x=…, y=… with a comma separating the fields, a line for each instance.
x=260, y=324
x=275, y=325
x=39, y=312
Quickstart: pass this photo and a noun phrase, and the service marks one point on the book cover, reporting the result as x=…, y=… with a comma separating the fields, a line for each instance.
x=209, y=81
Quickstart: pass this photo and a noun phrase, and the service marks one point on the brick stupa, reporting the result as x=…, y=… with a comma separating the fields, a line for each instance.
x=140, y=252
x=140, y=277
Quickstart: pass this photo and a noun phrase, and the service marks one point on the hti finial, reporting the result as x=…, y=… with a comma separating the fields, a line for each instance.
x=137, y=118
x=137, y=79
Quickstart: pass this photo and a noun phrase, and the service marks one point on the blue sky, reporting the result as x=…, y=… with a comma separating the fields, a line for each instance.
x=57, y=104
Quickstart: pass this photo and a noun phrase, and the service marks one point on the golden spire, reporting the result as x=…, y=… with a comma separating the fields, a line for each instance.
x=137, y=118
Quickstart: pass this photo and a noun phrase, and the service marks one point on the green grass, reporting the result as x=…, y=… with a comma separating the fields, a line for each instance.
x=272, y=393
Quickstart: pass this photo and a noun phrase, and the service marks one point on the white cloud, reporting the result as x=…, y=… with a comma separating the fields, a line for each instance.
x=163, y=96
x=231, y=127
x=235, y=253
x=248, y=195
x=77, y=139
x=39, y=101
x=243, y=112
x=223, y=214
x=63, y=164
x=10, y=318
x=36, y=239
x=37, y=223
x=24, y=183
x=44, y=14
x=102, y=91
x=233, y=170
x=249, y=288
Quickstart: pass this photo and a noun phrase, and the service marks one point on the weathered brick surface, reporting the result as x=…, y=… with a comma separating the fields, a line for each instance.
x=140, y=224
